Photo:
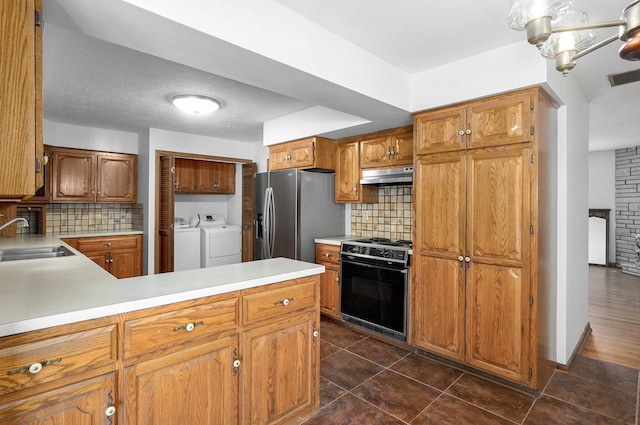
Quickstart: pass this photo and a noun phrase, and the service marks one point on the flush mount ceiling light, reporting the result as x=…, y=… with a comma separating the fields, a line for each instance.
x=567, y=36
x=195, y=104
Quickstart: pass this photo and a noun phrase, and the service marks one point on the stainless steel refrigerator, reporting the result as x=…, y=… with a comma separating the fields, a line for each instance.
x=293, y=208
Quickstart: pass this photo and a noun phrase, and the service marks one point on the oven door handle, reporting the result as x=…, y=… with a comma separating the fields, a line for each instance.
x=371, y=266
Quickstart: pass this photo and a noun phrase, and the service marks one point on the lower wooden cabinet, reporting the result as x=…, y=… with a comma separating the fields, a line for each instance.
x=211, y=361
x=197, y=386
x=90, y=402
x=119, y=255
x=329, y=257
x=280, y=372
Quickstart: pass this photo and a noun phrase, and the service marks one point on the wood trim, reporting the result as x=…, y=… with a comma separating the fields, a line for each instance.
x=186, y=155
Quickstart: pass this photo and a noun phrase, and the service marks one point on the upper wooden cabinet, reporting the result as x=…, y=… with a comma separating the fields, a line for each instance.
x=313, y=152
x=89, y=176
x=348, y=188
x=21, y=143
x=201, y=176
x=387, y=148
x=498, y=121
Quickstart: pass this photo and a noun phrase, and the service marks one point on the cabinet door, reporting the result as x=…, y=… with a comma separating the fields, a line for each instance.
x=499, y=275
x=437, y=312
x=439, y=131
x=500, y=121
x=225, y=178
x=73, y=175
x=402, y=148
x=84, y=403
x=376, y=152
x=330, y=291
x=19, y=78
x=206, y=176
x=348, y=173
x=124, y=263
x=116, y=178
x=302, y=153
x=280, y=372
x=185, y=176
x=100, y=258
x=198, y=386
x=279, y=157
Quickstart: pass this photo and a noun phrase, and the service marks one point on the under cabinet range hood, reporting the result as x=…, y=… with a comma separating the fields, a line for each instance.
x=386, y=176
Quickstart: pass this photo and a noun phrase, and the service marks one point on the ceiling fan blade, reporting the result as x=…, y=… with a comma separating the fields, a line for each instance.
x=624, y=78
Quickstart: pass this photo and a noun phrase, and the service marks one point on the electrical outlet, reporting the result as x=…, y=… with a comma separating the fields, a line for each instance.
x=365, y=216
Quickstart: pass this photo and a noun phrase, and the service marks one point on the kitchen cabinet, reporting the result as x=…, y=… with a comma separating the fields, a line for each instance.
x=21, y=149
x=497, y=121
x=179, y=364
x=389, y=148
x=309, y=153
x=119, y=255
x=281, y=331
x=200, y=361
x=348, y=188
x=60, y=375
x=329, y=257
x=90, y=176
x=475, y=295
x=200, y=176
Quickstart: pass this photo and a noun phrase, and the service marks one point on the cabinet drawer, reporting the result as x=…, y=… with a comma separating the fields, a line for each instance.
x=327, y=254
x=96, y=244
x=174, y=331
x=282, y=299
x=55, y=359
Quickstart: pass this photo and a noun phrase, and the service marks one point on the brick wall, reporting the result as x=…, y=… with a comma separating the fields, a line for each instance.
x=627, y=208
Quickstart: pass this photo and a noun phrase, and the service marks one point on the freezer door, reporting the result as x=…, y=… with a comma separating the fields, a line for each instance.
x=285, y=194
x=260, y=188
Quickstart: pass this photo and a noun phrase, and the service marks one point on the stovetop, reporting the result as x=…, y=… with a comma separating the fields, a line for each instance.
x=384, y=242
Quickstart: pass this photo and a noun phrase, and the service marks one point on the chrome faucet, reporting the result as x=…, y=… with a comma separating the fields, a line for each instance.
x=8, y=223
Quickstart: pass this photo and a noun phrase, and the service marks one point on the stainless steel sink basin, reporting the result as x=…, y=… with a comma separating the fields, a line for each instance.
x=35, y=252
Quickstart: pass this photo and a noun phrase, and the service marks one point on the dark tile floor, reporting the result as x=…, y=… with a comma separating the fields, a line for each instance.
x=367, y=381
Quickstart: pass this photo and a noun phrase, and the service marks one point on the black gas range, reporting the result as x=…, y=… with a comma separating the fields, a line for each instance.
x=374, y=284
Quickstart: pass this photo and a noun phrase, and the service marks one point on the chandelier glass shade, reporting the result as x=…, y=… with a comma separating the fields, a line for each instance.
x=566, y=36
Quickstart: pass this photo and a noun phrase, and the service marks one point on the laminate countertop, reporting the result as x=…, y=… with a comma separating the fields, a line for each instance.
x=40, y=293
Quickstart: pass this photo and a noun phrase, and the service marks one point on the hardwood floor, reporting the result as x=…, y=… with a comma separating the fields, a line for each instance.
x=614, y=315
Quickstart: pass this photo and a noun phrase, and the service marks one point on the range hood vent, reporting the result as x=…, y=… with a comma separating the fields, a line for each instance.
x=388, y=176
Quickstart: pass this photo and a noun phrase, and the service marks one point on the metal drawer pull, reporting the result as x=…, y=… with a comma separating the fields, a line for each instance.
x=188, y=327
x=284, y=302
x=34, y=368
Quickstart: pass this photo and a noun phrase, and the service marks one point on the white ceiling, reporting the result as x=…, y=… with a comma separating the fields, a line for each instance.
x=95, y=73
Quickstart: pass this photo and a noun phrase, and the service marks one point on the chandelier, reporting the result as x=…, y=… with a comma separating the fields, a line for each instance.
x=566, y=35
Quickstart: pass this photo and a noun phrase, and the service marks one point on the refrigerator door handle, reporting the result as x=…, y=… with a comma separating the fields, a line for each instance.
x=269, y=224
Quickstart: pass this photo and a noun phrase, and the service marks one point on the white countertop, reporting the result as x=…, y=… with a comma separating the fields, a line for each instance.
x=334, y=240
x=41, y=293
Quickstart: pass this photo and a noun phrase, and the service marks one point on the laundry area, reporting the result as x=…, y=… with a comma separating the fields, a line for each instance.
x=204, y=235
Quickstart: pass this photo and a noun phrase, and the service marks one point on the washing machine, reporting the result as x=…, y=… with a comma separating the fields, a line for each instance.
x=186, y=246
x=221, y=242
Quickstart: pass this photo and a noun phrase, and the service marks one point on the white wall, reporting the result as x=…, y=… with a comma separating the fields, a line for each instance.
x=99, y=139
x=572, y=215
x=602, y=190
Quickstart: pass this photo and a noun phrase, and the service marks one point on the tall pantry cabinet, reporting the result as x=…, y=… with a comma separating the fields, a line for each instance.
x=477, y=184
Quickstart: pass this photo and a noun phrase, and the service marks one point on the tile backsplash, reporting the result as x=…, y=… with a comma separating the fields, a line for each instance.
x=88, y=218
x=390, y=217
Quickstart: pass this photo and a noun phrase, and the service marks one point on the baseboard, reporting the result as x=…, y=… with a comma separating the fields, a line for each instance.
x=577, y=349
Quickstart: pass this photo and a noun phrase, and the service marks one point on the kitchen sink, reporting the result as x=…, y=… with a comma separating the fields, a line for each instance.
x=35, y=252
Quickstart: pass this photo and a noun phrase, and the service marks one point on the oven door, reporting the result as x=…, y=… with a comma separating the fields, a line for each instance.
x=374, y=294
